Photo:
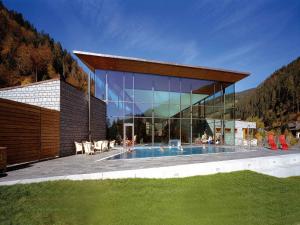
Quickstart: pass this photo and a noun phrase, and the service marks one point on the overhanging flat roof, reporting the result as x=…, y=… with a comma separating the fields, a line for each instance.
x=96, y=61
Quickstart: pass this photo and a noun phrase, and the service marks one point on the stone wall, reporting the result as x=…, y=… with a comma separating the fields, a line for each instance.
x=45, y=94
x=74, y=118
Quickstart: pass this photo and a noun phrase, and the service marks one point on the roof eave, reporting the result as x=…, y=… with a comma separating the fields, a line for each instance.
x=145, y=66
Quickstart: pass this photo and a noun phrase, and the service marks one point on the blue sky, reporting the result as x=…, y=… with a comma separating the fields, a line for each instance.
x=254, y=36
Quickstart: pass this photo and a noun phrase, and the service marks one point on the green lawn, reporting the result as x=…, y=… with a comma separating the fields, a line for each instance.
x=234, y=198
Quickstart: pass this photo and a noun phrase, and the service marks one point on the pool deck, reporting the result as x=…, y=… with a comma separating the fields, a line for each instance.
x=78, y=167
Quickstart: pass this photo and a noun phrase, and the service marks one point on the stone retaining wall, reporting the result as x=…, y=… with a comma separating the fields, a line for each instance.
x=45, y=94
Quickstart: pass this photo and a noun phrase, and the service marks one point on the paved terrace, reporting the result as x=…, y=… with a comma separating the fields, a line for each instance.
x=91, y=164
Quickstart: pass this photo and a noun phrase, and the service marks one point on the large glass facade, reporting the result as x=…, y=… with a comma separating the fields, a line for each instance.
x=166, y=107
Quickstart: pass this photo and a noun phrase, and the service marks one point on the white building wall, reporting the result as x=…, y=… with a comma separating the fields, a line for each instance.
x=239, y=126
x=44, y=94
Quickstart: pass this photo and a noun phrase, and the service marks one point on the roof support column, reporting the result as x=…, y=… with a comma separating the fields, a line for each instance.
x=89, y=105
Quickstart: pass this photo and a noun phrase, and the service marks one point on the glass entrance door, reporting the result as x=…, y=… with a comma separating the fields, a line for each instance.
x=128, y=135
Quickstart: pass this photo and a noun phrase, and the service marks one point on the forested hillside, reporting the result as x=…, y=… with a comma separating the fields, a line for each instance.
x=277, y=100
x=27, y=55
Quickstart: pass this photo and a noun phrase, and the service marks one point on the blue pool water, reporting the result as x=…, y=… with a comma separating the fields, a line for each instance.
x=144, y=152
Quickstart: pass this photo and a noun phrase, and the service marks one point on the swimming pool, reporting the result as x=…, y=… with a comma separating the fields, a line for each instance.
x=145, y=152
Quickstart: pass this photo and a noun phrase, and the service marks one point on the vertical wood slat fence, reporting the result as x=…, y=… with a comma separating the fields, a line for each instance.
x=29, y=132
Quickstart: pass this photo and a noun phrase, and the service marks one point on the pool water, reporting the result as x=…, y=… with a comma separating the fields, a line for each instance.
x=144, y=152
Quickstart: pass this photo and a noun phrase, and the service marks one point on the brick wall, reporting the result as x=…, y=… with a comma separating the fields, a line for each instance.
x=74, y=118
x=45, y=94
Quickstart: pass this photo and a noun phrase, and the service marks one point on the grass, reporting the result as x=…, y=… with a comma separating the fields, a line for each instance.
x=233, y=198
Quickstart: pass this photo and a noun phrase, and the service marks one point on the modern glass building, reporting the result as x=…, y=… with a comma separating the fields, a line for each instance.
x=158, y=102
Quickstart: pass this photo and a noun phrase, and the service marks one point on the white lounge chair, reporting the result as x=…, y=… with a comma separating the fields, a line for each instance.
x=112, y=144
x=78, y=147
x=88, y=148
x=98, y=145
x=105, y=145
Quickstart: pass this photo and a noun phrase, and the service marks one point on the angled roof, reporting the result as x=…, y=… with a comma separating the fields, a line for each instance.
x=96, y=61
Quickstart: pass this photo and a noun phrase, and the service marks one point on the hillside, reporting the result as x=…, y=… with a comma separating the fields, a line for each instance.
x=276, y=100
x=244, y=94
x=27, y=55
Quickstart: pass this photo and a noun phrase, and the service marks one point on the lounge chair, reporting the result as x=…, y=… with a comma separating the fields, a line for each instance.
x=112, y=144
x=78, y=147
x=98, y=146
x=210, y=140
x=283, y=143
x=105, y=145
x=88, y=148
x=271, y=142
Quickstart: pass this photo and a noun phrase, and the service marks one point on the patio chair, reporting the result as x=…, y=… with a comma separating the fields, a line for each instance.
x=271, y=142
x=204, y=138
x=98, y=146
x=112, y=144
x=283, y=143
x=88, y=148
x=210, y=140
x=105, y=145
x=78, y=147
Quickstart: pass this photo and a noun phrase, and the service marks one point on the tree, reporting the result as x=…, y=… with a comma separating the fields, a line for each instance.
x=40, y=58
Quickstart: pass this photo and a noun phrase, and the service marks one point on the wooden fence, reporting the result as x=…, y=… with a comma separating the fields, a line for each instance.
x=29, y=132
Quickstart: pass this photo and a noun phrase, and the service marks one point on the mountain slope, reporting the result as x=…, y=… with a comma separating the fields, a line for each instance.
x=277, y=100
x=27, y=55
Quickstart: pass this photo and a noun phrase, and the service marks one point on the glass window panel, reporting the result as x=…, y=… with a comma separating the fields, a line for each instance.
x=161, y=83
x=174, y=111
x=174, y=98
x=175, y=84
x=128, y=109
x=115, y=109
x=185, y=131
x=185, y=111
x=197, y=98
x=186, y=85
x=161, y=131
x=229, y=132
x=210, y=101
x=143, y=109
x=218, y=101
x=174, y=128
x=198, y=111
x=128, y=87
x=199, y=127
x=115, y=86
x=218, y=131
x=229, y=114
x=213, y=112
x=143, y=82
x=229, y=96
x=143, y=96
x=161, y=110
x=115, y=129
x=210, y=128
x=143, y=130
x=143, y=88
x=128, y=120
x=161, y=97
x=185, y=99
x=100, y=84
x=196, y=85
